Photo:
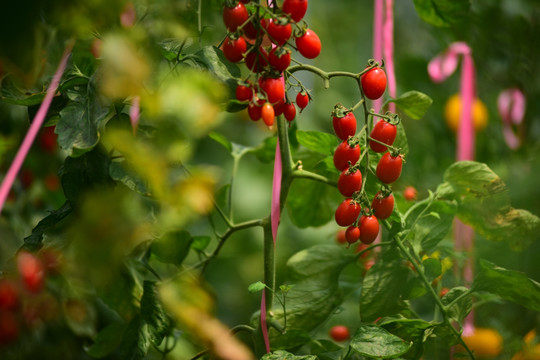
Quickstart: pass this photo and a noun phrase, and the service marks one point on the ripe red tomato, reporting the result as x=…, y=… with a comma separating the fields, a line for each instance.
x=9, y=295
x=384, y=132
x=48, y=140
x=235, y=16
x=9, y=328
x=410, y=193
x=352, y=234
x=374, y=83
x=347, y=212
x=31, y=270
x=279, y=31
x=254, y=111
x=243, y=92
x=296, y=8
x=274, y=89
x=340, y=237
x=302, y=100
x=309, y=44
x=268, y=114
x=443, y=292
x=369, y=229
x=345, y=153
x=234, y=49
x=382, y=206
x=279, y=58
x=344, y=126
x=349, y=182
x=389, y=168
x=279, y=107
x=339, y=333
x=256, y=61
x=289, y=111
x=251, y=31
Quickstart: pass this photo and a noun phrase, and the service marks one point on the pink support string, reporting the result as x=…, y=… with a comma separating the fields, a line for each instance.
x=378, y=18
x=264, y=326
x=511, y=104
x=134, y=113
x=389, y=51
x=30, y=136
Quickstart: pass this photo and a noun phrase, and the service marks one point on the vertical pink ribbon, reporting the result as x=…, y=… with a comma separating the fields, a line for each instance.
x=264, y=326
x=134, y=113
x=30, y=136
x=388, y=49
x=511, y=104
x=378, y=18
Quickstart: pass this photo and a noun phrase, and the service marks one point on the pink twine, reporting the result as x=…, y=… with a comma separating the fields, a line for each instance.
x=378, y=17
x=134, y=113
x=30, y=136
x=511, y=104
x=276, y=192
x=264, y=326
x=389, y=52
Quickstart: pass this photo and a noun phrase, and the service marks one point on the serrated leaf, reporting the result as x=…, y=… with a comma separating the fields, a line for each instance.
x=172, y=247
x=377, y=343
x=442, y=13
x=428, y=231
x=256, y=287
x=410, y=330
x=413, y=103
x=462, y=308
x=284, y=355
x=107, y=340
x=432, y=268
x=214, y=60
x=317, y=141
x=200, y=243
x=118, y=171
x=135, y=342
x=221, y=139
x=153, y=315
x=33, y=242
x=508, y=284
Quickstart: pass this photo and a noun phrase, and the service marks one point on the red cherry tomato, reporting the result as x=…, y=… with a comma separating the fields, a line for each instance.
x=347, y=212
x=296, y=8
x=31, y=270
x=9, y=295
x=254, y=111
x=274, y=89
x=345, y=153
x=48, y=140
x=235, y=16
x=443, y=292
x=349, y=182
x=268, y=114
x=279, y=58
x=289, y=111
x=344, y=126
x=279, y=107
x=309, y=44
x=352, y=234
x=9, y=327
x=410, y=193
x=256, y=61
x=302, y=99
x=384, y=132
x=234, y=49
x=389, y=168
x=339, y=333
x=369, y=229
x=243, y=92
x=374, y=83
x=382, y=206
x=279, y=31
x=340, y=237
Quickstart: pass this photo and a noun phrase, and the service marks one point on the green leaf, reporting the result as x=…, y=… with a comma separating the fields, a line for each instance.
x=256, y=287
x=310, y=203
x=410, y=330
x=283, y=355
x=221, y=139
x=483, y=203
x=33, y=241
x=135, y=342
x=442, y=13
x=413, y=103
x=429, y=230
x=266, y=151
x=377, y=343
x=213, y=59
x=153, y=315
x=173, y=247
x=432, y=268
x=200, y=243
x=107, y=340
x=508, y=284
x=235, y=105
x=118, y=171
x=401, y=139
x=317, y=141
x=463, y=307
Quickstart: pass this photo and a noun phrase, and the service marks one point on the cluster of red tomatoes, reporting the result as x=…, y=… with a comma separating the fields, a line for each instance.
x=363, y=224
x=259, y=36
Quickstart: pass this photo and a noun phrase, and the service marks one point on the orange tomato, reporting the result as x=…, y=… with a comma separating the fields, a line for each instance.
x=452, y=113
x=484, y=342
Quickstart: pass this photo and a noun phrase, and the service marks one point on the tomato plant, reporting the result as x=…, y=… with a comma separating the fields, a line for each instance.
x=374, y=83
x=339, y=333
x=389, y=168
x=309, y=44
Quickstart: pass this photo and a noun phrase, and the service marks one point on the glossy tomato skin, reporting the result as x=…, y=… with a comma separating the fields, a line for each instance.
x=32, y=271
x=279, y=31
x=352, y=234
x=339, y=333
x=309, y=44
x=268, y=114
x=243, y=92
x=410, y=193
x=274, y=89
x=257, y=61
x=234, y=49
x=389, y=168
x=279, y=59
x=254, y=111
x=235, y=16
x=340, y=237
x=345, y=153
x=349, y=182
x=289, y=111
x=347, y=212
x=374, y=83
x=279, y=107
x=369, y=228
x=302, y=99
x=344, y=126
x=384, y=132
x=382, y=206
x=296, y=8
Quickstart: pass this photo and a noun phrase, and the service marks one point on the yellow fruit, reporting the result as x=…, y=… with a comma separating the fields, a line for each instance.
x=531, y=351
x=485, y=343
x=452, y=113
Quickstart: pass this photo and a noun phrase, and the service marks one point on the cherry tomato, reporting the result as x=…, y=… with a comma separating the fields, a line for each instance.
x=9, y=296
x=274, y=89
x=309, y=44
x=234, y=49
x=31, y=270
x=279, y=107
x=9, y=328
x=349, y=182
x=443, y=292
x=369, y=229
x=257, y=61
x=352, y=234
x=345, y=153
x=48, y=140
x=340, y=237
x=410, y=193
x=268, y=114
x=374, y=83
x=279, y=58
x=296, y=8
x=279, y=31
x=251, y=31
x=389, y=168
x=382, y=206
x=289, y=111
x=254, y=111
x=302, y=99
x=361, y=247
x=235, y=16
x=347, y=212
x=339, y=333
x=243, y=92
x=345, y=125
x=384, y=132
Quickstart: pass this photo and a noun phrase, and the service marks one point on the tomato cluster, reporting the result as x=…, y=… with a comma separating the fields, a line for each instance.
x=262, y=38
